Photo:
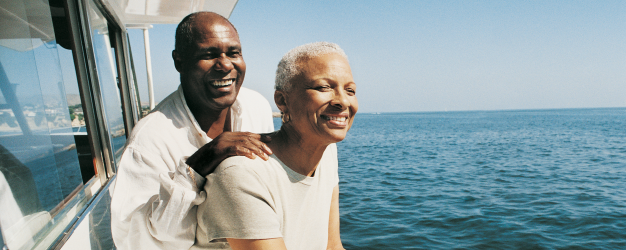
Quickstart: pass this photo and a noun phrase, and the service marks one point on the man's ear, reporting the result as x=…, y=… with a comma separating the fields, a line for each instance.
x=177, y=61
x=280, y=98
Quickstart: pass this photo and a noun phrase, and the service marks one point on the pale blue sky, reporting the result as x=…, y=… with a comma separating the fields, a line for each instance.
x=436, y=55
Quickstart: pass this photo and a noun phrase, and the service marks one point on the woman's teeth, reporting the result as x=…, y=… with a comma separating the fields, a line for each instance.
x=222, y=83
x=335, y=118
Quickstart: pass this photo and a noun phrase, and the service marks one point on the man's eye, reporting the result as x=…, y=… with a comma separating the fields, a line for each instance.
x=208, y=56
x=234, y=53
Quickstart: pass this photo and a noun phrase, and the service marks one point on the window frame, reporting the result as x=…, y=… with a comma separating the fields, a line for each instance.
x=93, y=110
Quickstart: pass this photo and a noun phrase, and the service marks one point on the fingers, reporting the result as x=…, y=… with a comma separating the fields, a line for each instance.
x=266, y=138
x=245, y=152
x=252, y=150
x=253, y=144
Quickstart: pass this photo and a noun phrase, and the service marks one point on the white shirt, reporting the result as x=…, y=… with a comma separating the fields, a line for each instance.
x=256, y=199
x=155, y=200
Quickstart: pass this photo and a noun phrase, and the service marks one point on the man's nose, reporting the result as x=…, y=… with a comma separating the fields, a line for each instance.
x=224, y=64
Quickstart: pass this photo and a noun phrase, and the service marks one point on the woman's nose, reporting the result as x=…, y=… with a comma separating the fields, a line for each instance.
x=340, y=99
x=224, y=64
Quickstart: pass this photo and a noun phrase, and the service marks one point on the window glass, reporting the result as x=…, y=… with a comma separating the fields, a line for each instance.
x=133, y=82
x=107, y=76
x=39, y=166
x=138, y=53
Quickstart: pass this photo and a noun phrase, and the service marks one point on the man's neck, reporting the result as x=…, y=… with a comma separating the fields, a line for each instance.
x=213, y=123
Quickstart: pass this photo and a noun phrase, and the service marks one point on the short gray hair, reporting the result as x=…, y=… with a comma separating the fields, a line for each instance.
x=288, y=67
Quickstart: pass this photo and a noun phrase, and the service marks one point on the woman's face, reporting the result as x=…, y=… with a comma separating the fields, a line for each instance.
x=322, y=100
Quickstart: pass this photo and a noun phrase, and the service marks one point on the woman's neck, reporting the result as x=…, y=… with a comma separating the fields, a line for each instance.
x=297, y=154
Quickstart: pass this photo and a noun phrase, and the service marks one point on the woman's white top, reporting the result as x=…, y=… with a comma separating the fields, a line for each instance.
x=256, y=199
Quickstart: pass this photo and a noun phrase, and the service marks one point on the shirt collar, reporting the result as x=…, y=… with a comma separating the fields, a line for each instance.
x=235, y=115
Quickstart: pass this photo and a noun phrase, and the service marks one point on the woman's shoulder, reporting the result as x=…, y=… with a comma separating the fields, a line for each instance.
x=241, y=173
x=240, y=165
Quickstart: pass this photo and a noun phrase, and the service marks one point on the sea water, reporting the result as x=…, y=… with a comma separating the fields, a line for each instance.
x=529, y=179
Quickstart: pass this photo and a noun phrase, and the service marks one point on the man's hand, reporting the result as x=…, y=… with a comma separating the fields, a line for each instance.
x=228, y=144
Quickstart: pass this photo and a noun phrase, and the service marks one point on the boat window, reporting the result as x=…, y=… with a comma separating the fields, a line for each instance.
x=133, y=82
x=136, y=42
x=108, y=79
x=41, y=116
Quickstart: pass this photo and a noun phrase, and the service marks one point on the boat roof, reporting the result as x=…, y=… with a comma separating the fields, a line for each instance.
x=129, y=13
x=146, y=12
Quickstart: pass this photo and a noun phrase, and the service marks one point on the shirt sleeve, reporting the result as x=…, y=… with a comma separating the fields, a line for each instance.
x=239, y=205
x=330, y=156
x=265, y=114
x=153, y=207
x=255, y=112
x=268, y=119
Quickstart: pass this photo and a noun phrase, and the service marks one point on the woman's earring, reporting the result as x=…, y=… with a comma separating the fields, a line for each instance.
x=285, y=118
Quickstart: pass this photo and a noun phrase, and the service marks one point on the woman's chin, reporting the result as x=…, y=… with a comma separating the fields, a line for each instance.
x=337, y=137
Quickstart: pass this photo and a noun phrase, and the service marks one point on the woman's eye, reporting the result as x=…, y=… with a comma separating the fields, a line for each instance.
x=351, y=91
x=322, y=88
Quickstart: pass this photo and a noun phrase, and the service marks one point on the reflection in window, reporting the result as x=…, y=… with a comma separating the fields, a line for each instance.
x=39, y=165
x=135, y=38
x=133, y=81
x=107, y=75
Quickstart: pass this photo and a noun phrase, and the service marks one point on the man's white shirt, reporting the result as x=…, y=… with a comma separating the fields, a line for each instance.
x=155, y=198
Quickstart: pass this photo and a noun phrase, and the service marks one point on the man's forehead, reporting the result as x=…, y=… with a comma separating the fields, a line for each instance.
x=214, y=30
x=223, y=29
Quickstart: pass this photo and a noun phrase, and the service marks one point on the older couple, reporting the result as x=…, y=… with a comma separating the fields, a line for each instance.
x=286, y=198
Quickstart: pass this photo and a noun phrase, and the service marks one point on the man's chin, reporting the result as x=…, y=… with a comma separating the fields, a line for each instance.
x=222, y=100
x=225, y=101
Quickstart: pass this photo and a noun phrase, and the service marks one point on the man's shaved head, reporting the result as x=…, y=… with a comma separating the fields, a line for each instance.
x=186, y=32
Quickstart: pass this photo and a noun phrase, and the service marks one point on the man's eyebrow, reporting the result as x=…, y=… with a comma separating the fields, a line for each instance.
x=216, y=49
x=207, y=49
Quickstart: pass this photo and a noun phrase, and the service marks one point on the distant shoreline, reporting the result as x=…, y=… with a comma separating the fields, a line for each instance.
x=490, y=110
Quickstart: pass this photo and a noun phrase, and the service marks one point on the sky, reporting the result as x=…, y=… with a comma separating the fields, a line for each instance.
x=417, y=56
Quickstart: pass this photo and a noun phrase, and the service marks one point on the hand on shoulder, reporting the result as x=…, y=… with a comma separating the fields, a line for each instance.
x=208, y=157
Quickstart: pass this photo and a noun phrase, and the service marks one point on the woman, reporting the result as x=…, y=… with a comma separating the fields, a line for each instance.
x=290, y=201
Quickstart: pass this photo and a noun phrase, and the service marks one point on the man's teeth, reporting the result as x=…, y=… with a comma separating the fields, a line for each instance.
x=335, y=118
x=222, y=83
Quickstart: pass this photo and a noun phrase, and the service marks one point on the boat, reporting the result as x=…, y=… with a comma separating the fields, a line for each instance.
x=69, y=99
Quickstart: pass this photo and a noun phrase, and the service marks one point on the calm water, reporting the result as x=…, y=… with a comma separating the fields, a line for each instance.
x=548, y=179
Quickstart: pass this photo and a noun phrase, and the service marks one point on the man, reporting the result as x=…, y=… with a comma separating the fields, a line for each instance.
x=161, y=174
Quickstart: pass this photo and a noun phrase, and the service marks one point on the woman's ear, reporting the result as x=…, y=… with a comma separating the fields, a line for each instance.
x=280, y=98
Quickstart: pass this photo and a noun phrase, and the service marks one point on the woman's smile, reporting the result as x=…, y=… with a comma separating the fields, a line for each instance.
x=337, y=120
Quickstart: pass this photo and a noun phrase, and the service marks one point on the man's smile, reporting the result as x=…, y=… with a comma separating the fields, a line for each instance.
x=222, y=83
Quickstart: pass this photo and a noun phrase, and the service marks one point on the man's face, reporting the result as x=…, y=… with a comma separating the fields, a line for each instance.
x=212, y=72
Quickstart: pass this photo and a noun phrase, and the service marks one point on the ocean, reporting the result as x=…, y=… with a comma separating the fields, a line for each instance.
x=525, y=179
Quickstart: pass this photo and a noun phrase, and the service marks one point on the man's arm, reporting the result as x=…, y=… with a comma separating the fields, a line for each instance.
x=334, y=238
x=264, y=244
x=152, y=206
